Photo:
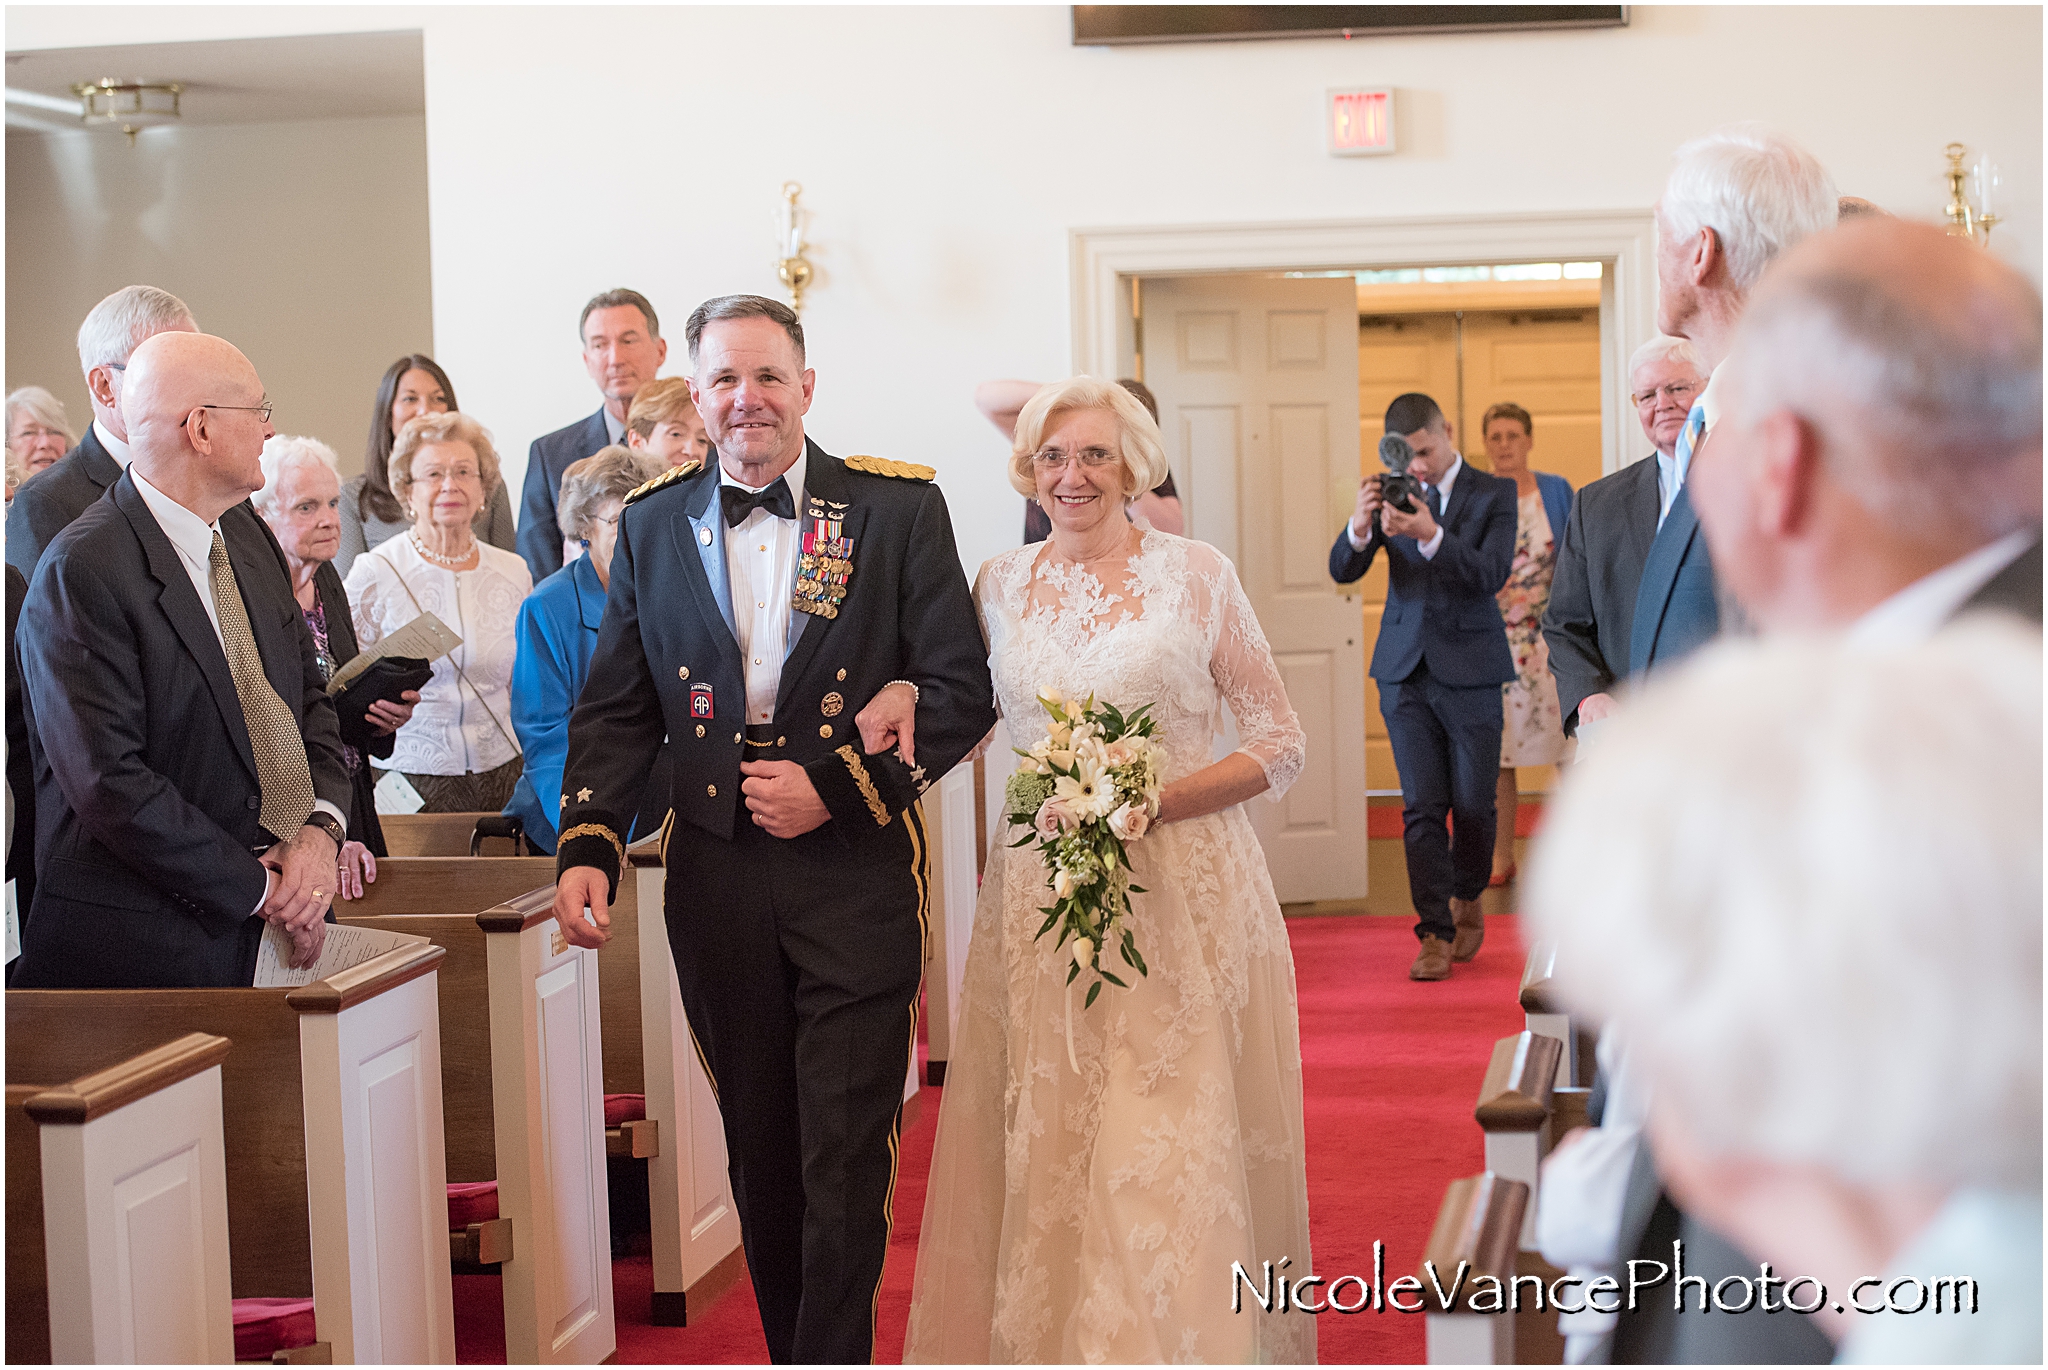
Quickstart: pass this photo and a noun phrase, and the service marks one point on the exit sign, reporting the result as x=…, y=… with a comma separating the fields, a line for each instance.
x=1360, y=122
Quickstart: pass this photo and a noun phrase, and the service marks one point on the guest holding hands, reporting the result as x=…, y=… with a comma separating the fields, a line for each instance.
x=370, y=513
x=457, y=751
x=557, y=628
x=1532, y=733
x=301, y=501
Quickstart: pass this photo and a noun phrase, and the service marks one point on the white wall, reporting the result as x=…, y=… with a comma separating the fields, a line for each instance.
x=948, y=151
x=305, y=244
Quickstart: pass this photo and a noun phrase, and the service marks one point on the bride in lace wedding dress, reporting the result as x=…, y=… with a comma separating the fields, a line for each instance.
x=1095, y=1216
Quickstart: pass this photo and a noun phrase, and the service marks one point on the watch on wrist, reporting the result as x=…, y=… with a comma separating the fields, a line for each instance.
x=328, y=824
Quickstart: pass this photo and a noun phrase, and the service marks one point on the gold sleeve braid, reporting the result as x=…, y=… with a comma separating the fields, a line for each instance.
x=867, y=786
x=596, y=830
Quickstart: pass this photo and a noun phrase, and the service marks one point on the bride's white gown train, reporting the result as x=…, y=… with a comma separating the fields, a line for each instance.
x=1095, y=1216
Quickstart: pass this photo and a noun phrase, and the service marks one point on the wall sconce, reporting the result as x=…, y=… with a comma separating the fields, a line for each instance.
x=792, y=267
x=1967, y=219
x=133, y=104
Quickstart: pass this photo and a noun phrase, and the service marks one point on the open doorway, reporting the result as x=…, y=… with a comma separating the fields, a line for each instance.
x=1428, y=306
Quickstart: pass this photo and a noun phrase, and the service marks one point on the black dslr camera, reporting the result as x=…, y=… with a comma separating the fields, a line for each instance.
x=1397, y=487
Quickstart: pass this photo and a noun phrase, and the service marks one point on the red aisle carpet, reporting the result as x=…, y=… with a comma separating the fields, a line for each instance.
x=1391, y=1071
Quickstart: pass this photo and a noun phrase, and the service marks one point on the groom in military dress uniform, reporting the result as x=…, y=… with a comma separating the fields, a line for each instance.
x=754, y=609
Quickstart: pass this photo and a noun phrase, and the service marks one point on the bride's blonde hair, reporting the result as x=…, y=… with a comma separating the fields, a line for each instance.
x=1140, y=447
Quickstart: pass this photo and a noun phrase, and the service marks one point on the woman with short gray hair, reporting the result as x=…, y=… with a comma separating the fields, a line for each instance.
x=37, y=431
x=557, y=631
x=300, y=500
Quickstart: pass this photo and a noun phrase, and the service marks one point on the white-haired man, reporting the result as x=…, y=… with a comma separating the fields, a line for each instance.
x=1822, y=941
x=1879, y=463
x=1736, y=199
x=112, y=331
x=1608, y=535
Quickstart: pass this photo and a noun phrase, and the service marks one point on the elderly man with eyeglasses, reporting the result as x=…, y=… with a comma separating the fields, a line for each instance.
x=190, y=784
x=1607, y=538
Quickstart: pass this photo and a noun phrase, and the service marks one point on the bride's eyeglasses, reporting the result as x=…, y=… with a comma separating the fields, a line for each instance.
x=1052, y=459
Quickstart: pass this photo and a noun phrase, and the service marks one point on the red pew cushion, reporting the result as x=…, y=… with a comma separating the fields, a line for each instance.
x=474, y=1202
x=620, y=1109
x=263, y=1326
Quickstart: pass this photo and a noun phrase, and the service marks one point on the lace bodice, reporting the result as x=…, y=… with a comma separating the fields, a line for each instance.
x=1178, y=633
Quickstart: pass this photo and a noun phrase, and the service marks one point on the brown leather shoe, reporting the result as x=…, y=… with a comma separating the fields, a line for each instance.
x=1471, y=925
x=1433, y=962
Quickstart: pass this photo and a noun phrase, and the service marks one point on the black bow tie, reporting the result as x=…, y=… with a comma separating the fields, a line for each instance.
x=774, y=497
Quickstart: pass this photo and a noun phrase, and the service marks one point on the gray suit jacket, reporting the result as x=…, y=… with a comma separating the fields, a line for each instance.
x=2016, y=589
x=46, y=503
x=1593, y=593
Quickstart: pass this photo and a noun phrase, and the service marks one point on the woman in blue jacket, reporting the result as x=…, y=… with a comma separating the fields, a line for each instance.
x=1532, y=731
x=557, y=631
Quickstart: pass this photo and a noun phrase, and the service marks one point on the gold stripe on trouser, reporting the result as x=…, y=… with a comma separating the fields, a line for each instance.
x=275, y=741
x=920, y=872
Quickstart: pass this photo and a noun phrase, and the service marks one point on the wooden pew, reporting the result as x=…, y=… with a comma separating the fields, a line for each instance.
x=114, y=1175
x=520, y=1022
x=1514, y=1111
x=441, y=834
x=1546, y=1014
x=1476, y=1224
x=332, y=1135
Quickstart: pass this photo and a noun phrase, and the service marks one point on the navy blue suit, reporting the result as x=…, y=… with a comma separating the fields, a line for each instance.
x=1440, y=661
x=540, y=537
x=1676, y=611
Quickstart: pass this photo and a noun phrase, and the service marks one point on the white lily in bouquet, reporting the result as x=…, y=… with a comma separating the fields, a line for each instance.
x=1084, y=790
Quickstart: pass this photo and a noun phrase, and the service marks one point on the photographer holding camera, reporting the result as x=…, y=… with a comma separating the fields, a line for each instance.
x=1442, y=656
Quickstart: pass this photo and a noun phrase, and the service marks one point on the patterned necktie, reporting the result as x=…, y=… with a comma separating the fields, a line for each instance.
x=1695, y=427
x=1436, y=501
x=273, y=733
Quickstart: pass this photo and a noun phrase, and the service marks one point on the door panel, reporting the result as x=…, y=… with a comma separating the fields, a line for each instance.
x=1258, y=394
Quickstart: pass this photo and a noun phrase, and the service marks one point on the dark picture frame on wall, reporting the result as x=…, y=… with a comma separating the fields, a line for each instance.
x=1099, y=25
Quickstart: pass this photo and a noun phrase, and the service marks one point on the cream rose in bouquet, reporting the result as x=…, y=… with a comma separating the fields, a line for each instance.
x=1083, y=791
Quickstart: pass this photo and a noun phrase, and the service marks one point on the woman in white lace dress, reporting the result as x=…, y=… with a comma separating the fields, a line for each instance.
x=1095, y=1216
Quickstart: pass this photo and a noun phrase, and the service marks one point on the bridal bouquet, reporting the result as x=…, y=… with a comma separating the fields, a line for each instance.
x=1084, y=790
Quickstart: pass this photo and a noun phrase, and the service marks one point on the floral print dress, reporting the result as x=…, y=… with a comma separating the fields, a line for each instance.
x=1532, y=731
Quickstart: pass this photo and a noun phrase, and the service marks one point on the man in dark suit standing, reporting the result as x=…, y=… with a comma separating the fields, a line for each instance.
x=754, y=610
x=1607, y=538
x=189, y=777
x=1441, y=659
x=113, y=330
x=622, y=349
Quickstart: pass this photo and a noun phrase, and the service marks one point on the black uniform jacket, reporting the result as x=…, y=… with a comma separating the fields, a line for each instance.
x=667, y=660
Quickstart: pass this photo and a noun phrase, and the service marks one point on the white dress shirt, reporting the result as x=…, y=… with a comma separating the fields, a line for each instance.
x=116, y=449
x=1436, y=539
x=1669, y=476
x=761, y=553
x=192, y=538
x=614, y=428
x=1920, y=609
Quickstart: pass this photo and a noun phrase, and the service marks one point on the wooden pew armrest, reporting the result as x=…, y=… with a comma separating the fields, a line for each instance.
x=472, y=1248
x=1516, y=1094
x=319, y=1353
x=636, y=1140
x=1479, y=1223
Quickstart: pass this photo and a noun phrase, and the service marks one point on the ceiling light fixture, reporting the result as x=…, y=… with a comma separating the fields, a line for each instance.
x=133, y=104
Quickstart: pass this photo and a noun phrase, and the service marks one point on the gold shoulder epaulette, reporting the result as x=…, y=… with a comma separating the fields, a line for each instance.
x=883, y=466
x=666, y=478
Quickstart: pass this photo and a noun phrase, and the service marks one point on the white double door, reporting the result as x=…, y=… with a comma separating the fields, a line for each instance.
x=1257, y=382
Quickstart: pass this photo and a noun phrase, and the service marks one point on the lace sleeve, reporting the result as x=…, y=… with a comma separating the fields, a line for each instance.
x=1241, y=663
